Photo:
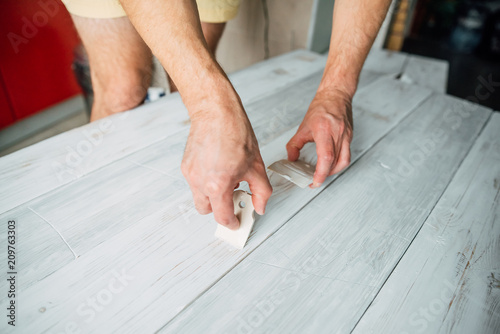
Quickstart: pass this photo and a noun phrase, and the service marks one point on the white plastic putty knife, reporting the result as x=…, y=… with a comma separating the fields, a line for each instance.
x=244, y=211
x=299, y=172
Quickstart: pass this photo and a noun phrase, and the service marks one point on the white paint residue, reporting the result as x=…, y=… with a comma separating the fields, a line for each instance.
x=384, y=165
x=71, y=249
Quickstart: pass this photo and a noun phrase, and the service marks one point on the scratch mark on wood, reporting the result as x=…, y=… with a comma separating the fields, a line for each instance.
x=63, y=239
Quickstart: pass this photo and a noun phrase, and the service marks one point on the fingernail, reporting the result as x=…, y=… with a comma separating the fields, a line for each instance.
x=316, y=185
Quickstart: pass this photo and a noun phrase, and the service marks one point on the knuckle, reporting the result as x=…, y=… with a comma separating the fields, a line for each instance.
x=323, y=126
x=214, y=187
x=219, y=183
x=326, y=156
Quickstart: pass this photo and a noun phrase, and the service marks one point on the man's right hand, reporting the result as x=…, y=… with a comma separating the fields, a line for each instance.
x=222, y=151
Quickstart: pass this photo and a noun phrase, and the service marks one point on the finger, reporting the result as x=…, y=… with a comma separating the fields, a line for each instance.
x=326, y=158
x=296, y=143
x=201, y=202
x=261, y=189
x=344, y=157
x=223, y=208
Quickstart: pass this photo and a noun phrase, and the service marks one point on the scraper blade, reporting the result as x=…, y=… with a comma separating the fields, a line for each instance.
x=299, y=172
x=244, y=211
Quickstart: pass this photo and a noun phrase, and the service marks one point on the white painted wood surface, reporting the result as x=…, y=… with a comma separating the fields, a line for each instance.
x=88, y=211
x=423, y=71
x=385, y=61
x=48, y=165
x=40, y=250
x=426, y=72
x=146, y=261
x=324, y=267
x=173, y=235
x=451, y=271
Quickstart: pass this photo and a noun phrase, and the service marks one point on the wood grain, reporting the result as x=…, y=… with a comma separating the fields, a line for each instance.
x=385, y=61
x=448, y=280
x=426, y=72
x=171, y=254
x=322, y=269
x=40, y=168
x=98, y=206
x=40, y=250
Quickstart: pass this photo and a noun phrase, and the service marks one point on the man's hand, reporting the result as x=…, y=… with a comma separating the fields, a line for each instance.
x=221, y=151
x=328, y=123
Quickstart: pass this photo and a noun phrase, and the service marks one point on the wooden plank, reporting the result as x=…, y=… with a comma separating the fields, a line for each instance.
x=170, y=256
x=96, y=207
x=124, y=192
x=40, y=250
x=281, y=112
x=385, y=61
x=324, y=267
x=279, y=72
x=448, y=280
x=426, y=72
x=102, y=204
x=366, y=77
x=87, y=225
x=47, y=165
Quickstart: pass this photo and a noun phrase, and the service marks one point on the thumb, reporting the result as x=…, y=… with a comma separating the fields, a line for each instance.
x=261, y=190
x=295, y=144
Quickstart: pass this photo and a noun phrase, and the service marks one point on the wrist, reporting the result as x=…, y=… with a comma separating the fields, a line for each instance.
x=335, y=81
x=340, y=74
x=333, y=92
x=212, y=95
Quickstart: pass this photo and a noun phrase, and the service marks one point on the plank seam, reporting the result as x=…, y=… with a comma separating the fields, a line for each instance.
x=60, y=235
x=153, y=169
x=427, y=217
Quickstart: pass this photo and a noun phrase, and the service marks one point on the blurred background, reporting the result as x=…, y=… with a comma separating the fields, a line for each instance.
x=45, y=87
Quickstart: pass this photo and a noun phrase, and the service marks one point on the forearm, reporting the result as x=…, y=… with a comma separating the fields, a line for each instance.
x=173, y=32
x=355, y=26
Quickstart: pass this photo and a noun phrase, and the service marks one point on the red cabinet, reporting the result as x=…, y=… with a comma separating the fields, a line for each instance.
x=36, y=53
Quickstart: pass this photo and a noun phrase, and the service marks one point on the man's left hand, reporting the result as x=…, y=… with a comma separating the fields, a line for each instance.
x=328, y=123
